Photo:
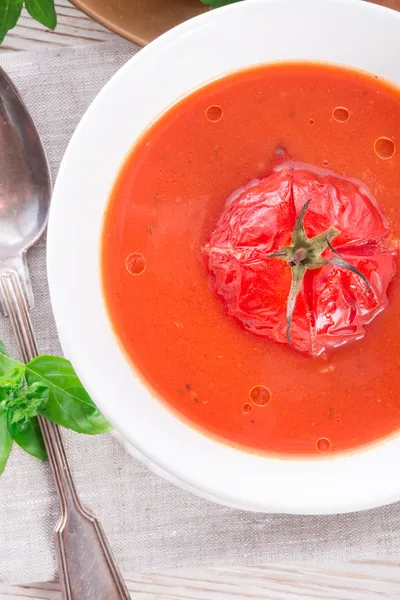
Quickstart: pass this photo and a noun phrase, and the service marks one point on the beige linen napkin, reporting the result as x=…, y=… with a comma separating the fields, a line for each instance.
x=150, y=523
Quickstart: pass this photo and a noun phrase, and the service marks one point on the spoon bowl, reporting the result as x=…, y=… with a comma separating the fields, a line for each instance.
x=25, y=183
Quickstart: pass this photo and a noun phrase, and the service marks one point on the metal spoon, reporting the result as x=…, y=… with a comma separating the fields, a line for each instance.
x=86, y=566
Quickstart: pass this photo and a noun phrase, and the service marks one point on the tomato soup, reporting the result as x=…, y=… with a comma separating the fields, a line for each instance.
x=245, y=389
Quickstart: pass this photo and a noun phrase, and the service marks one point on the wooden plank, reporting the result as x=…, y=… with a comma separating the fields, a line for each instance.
x=364, y=580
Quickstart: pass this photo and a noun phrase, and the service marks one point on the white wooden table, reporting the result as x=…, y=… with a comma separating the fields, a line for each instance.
x=342, y=581
x=363, y=580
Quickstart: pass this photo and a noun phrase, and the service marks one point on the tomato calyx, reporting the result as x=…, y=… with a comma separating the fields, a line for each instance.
x=306, y=253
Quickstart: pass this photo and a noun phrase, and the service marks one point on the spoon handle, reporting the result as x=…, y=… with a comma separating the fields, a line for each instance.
x=86, y=566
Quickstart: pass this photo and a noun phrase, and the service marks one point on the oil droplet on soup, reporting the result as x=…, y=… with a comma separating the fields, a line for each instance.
x=384, y=148
x=260, y=395
x=135, y=264
x=341, y=114
x=323, y=445
x=214, y=113
x=247, y=407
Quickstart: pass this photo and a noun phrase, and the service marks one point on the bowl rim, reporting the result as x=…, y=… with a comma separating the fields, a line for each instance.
x=78, y=346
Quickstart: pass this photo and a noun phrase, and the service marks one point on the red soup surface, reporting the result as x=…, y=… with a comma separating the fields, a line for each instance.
x=248, y=390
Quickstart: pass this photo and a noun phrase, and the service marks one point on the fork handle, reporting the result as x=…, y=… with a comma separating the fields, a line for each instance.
x=86, y=566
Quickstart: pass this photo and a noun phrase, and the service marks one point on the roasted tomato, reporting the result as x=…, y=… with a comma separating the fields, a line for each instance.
x=303, y=257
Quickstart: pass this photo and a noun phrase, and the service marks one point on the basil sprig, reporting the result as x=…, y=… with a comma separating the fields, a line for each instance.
x=46, y=386
x=41, y=10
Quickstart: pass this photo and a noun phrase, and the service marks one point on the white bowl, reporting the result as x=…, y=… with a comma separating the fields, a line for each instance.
x=350, y=32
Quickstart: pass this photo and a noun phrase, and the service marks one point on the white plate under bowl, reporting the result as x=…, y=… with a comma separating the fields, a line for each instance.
x=350, y=32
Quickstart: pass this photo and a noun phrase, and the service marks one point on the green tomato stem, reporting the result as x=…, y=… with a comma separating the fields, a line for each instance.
x=306, y=253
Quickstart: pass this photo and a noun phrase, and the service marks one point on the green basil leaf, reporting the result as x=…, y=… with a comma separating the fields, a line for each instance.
x=27, y=402
x=5, y=440
x=68, y=403
x=27, y=435
x=12, y=378
x=43, y=11
x=6, y=363
x=11, y=374
x=10, y=11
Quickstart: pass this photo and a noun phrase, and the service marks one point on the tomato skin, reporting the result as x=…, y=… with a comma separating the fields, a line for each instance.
x=334, y=305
